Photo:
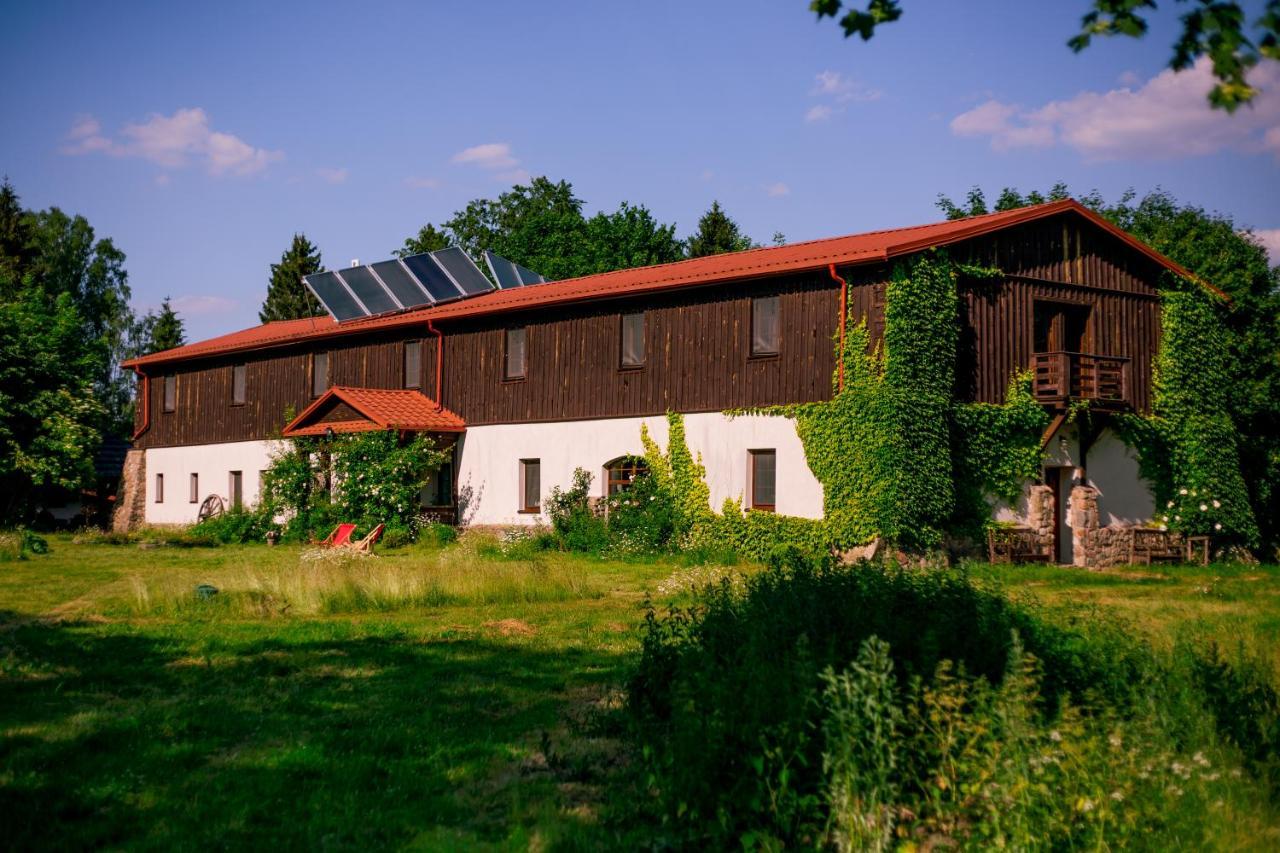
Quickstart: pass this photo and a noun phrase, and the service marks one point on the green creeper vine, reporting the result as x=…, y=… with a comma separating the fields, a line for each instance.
x=1187, y=449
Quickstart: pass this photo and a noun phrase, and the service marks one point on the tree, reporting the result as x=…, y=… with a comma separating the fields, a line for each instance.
x=717, y=233
x=428, y=239
x=165, y=330
x=628, y=237
x=1233, y=260
x=1213, y=28
x=287, y=297
x=15, y=236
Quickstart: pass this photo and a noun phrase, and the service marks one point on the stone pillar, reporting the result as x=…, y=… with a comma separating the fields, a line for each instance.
x=1083, y=509
x=131, y=494
x=1040, y=511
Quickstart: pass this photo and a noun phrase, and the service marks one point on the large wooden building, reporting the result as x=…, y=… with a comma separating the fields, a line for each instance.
x=530, y=383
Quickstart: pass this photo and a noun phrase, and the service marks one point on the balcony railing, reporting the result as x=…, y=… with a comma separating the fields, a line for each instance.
x=1060, y=377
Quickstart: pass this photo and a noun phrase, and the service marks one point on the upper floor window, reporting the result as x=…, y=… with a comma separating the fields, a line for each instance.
x=765, y=327
x=413, y=364
x=764, y=479
x=633, y=339
x=237, y=385
x=516, y=362
x=170, y=393
x=319, y=373
x=530, y=485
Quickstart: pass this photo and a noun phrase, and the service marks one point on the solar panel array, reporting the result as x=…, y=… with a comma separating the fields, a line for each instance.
x=415, y=281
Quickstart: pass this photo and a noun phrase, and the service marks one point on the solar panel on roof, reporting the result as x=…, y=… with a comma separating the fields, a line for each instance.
x=368, y=290
x=432, y=277
x=334, y=296
x=504, y=271
x=528, y=276
x=463, y=271
x=401, y=284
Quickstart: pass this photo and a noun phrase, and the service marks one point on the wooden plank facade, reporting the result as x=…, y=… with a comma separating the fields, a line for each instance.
x=697, y=344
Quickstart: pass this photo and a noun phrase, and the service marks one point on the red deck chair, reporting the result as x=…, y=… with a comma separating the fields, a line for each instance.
x=340, y=536
x=366, y=544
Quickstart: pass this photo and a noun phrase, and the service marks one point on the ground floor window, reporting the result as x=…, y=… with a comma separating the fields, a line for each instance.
x=622, y=472
x=764, y=473
x=194, y=497
x=159, y=488
x=236, y=489
x=530, y=485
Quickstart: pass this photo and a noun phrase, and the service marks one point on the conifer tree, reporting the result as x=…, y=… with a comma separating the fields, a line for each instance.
x=166, y=329
x=287, y=297
x=717, y=233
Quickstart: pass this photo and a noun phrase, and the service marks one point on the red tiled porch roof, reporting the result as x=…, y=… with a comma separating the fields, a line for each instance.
x=377, y=409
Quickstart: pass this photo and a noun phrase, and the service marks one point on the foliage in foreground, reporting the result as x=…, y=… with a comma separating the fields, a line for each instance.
x=867, y=707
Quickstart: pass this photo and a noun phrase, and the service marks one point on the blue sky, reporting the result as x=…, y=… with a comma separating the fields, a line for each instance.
x=201, y=139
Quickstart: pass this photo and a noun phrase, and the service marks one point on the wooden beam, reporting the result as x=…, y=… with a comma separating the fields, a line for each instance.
x=1050, y=430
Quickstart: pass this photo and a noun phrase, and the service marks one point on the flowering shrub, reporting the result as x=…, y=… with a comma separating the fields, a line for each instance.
x=1194, y=512
x=576, y=526
x=641, y=518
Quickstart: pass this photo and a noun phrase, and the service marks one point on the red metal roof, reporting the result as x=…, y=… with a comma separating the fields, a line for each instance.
x=871, y=247
x=382, y=409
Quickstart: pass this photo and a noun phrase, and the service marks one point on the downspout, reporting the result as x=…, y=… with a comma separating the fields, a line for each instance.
x=439, y=363
x=146, y=404
x=844, y=312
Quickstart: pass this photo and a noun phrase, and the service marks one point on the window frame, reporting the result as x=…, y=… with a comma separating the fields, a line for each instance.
x=623, y=364
x=241, y=369
x=525, y=508
x=754, y=456
x=751, y=344
x=412, y=379
x=193, y=488
x=328, y=373
x=507, y=376
x=159, y=488
x=632, y=465
x=234, y=479
x=169, y=402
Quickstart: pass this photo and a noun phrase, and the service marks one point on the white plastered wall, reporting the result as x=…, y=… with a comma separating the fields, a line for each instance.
x=1123, y=496
x=214, y=463
x=489, y=460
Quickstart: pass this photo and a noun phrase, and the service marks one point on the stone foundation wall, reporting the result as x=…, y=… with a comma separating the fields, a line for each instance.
x=131, y=495
x=1040, y=511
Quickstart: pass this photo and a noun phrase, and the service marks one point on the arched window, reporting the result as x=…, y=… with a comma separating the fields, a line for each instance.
x=622, y=472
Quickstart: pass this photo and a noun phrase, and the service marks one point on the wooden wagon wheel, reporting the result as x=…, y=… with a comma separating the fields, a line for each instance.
x=212, y=506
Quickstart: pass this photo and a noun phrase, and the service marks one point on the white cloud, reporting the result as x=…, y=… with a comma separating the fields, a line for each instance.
x=491, y=155
x=202, y=306
x=1270, y=238
x=1166, y=117
x=818, y=112
x=777, y=189
x=332, y=175
x=172, y=142
x=416, y=182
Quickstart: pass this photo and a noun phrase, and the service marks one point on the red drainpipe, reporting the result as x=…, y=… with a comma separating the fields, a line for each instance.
x=439, y=364
x=844, y=311
x=146, y=404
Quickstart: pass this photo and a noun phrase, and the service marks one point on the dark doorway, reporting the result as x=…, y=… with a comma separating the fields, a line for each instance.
x=1061, y=327
x=1059, y=480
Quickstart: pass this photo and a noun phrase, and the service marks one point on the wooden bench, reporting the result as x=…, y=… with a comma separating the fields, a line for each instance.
x=1148, y=545
x=1015, y=545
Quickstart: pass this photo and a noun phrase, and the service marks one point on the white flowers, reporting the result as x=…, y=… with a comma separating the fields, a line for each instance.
x=1218, y=526
x=1181, y=492
x=1164, y=527
x=1204, y=507
x=1217, y=504
x=1169, y=505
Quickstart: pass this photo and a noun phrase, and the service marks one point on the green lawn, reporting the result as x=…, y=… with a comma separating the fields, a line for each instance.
x=429, y=698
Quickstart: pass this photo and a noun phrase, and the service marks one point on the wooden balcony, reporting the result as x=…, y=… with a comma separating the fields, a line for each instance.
x=1063, y=377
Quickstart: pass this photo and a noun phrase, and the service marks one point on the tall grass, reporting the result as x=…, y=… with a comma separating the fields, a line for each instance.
x=339, y=582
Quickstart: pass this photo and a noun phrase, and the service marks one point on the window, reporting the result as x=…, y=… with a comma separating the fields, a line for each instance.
x=413, y=364
x=319, y=373
x=765, y=329
x=170, y=393
x=530, y=485
x=515, y=361
x=236, y=489
x=633, y=339
x=764, y=474
x=237, y=385
x=194, y=496
x=159, y=488
x=439, y=488
x=622, y=472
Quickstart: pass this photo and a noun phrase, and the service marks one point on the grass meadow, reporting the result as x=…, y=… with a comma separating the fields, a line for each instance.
x=433, y=698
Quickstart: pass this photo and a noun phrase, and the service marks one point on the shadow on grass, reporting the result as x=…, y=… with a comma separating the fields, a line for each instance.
x=321, y=736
